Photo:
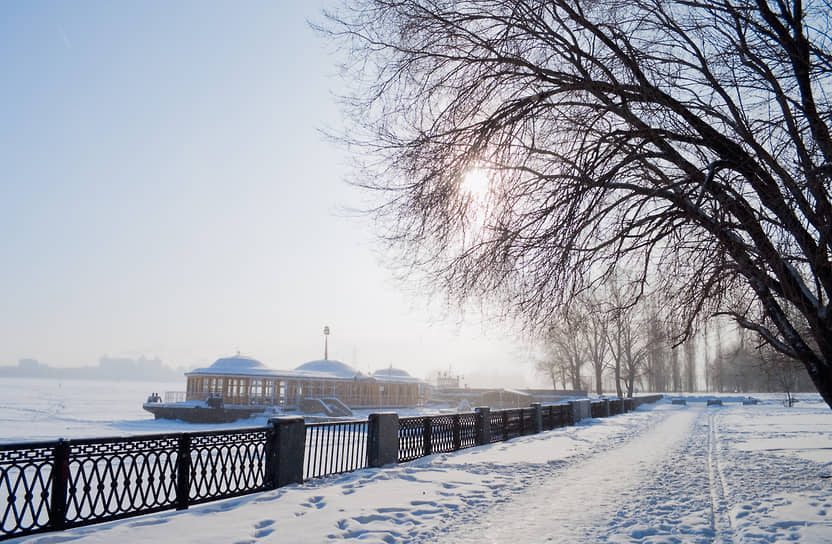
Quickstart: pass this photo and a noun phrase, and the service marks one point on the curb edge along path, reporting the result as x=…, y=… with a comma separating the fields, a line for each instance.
x=663, y=485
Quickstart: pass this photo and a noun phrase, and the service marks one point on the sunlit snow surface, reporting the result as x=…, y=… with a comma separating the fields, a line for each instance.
x=664, y=474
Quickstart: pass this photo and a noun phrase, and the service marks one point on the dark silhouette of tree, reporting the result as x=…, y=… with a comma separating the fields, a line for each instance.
x=575, y=338
x=688, y=140
x=564, y=343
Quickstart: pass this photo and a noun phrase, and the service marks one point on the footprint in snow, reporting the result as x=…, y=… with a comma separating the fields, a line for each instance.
x=261, y=533
x=315, y=502
x=148, y=523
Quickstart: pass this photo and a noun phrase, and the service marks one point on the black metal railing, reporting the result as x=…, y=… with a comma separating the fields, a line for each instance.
x=71, y=483
x=425, y=435
x=333, y=448
x=412, y=443
x=226, y=464
x=497, y=420
x=467, y=430
x=555, y=416
x=27, y=487
x=598, y=408
x=62, y=484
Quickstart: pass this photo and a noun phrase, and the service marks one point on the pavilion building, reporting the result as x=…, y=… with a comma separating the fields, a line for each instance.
x=245, y=381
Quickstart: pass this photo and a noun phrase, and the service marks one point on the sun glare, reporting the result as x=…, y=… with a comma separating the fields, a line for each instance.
x=475, y=183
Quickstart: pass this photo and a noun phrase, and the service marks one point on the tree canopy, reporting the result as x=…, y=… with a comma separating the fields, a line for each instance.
x=524, y=150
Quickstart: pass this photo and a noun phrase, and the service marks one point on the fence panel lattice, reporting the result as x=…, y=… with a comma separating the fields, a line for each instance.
x=467, y=430
x=112, y=478
x=442, y=434
x=496, y=419
x=411, y=438
x=228, y=464
x=555, y=415
x=25, y=487
x=333, y=448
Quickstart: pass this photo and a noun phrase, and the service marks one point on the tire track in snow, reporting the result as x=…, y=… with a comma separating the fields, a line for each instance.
x=720, y=519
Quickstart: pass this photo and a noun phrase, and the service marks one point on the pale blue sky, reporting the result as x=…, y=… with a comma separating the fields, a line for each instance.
x=164, y=191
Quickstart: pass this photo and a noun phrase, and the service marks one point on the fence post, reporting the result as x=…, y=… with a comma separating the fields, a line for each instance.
x=457, y=438
x=581, y=409
x=564, y=415
x=287, y=450
x=483, y=425
x=607, y=411
x=572, y=416
x=183, y=472
x=538, y=416
x=426, y=436
x=505, y=425
x=382, y=439
x=60, y=477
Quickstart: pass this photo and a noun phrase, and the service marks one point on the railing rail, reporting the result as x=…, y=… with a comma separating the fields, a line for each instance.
x=333, y=448
x=71, y=483
x=48, y=486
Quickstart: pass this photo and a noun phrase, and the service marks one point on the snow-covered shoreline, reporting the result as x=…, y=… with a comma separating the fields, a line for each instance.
x=661, y=474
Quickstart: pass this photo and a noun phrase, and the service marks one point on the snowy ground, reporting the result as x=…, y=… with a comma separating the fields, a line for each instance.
x=664, y=474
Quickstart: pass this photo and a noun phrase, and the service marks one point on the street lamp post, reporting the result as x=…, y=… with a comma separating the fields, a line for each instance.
x=326, y=342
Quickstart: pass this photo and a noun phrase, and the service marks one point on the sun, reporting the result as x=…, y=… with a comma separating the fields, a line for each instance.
x=476, y=183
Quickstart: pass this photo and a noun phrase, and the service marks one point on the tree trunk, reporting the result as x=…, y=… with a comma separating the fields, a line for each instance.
x=821, y=375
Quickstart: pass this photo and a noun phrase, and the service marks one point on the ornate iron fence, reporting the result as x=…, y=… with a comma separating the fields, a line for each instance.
x=555, y=416
x=69, y=483
x=467, y=430
x=333, y=448
x=424, y=435
x=412, y=442
x=26, y=485
x=226, y=464
x=498, y=426
x=598, y=408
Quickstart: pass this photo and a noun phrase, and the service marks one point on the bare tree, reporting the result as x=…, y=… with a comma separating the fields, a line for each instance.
x=716, y=372
x=626, y=337
x=690, y=365
x=658, y=369
x=566, y=348
x=783, y=373
x=684, y=136
x=595, y=338
x=554, y=368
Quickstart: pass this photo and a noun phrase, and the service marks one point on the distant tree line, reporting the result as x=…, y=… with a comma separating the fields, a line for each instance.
x=599, y=344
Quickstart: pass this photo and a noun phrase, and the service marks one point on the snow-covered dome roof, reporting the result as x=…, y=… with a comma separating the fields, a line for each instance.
x=397, y=372
x=335, y=368
x=394, y=375
x=238, y=363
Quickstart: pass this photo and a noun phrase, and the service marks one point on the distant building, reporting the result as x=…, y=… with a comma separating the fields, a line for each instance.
x=245, y=381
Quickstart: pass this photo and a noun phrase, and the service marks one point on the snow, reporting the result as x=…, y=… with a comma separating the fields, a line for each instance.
x=233, y=365
x=663, y=474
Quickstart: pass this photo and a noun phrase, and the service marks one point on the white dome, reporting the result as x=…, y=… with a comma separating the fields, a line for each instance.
x=237, y=363
x=392, y=372
x=335, y=368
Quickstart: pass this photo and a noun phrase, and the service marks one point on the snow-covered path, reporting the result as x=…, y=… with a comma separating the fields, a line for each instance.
x=608, y=496
x=662, y=474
